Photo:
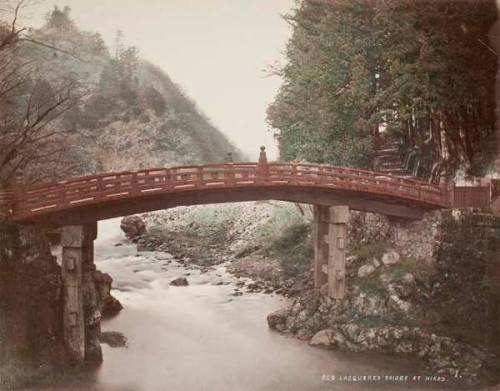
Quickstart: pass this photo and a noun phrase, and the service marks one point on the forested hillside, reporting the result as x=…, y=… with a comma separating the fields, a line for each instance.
x=86, y=108
x=419, y=72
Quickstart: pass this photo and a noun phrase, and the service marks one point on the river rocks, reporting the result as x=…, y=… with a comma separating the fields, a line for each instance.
x=109, y=305
x=228, y=236
x=324, y=338
x=396, y=303
x=379, y=314
x=366, y=270
x=391, y=258
x=277, y=320
x=113, y=339
x=444, y=355
x=180, y=281
x=405, y=281
x=133, y=227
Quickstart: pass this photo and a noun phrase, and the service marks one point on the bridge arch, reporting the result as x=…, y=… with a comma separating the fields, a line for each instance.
x=92, y=198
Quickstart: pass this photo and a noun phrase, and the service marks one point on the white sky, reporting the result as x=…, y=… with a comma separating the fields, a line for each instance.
x=215, y=49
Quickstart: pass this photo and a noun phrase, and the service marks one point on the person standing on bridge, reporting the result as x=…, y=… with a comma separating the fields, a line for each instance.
x=262, y=165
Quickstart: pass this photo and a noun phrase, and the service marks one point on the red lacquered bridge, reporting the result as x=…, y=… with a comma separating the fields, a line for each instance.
x=91, y=198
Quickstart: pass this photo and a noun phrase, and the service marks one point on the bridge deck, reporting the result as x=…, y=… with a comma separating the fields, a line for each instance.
x=78, y=194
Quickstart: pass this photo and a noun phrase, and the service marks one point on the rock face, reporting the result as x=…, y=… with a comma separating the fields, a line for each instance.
x=133, y=227
x=180, y=281
x=31, y=307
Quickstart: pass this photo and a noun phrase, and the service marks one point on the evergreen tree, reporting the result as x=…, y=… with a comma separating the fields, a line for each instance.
x=420, y=70
x=60, y=20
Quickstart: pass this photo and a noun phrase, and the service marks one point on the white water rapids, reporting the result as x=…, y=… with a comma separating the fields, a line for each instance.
x=201, y=337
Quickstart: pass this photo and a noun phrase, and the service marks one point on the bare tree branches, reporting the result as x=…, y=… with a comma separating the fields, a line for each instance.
x=30, y=106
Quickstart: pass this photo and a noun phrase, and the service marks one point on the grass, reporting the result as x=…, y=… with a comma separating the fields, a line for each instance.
x=370, y=285
x=283, y=215
x=371, y=250
x=420, y=269
x=292, y=249
x=286, y=237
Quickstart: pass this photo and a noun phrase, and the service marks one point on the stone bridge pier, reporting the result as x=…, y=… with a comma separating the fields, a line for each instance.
x=77, y=267
x=330, y=240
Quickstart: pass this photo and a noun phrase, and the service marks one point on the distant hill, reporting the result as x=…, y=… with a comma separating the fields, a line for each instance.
x=132, y=114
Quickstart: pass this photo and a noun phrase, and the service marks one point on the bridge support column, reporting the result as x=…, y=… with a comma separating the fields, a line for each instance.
x=330, y=239
x=337, y=241
x=319, y=231
x=77, y=254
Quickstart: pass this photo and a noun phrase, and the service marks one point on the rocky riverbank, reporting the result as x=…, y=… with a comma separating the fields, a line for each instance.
x=422, y=293
x=31, y=307
x=418, y=289
x=233, y=235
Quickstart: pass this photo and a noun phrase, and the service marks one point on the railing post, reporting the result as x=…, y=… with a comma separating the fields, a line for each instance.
x=62, y=196
x=451, y=194
x=168, y=177
x=19, y=191
x=262, y=168
x=134, y=184
x=230, y=174
x=199, y=177
x=486, y=182
x=100, y=188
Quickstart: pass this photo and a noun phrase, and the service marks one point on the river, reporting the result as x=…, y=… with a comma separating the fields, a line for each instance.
x=202, y=337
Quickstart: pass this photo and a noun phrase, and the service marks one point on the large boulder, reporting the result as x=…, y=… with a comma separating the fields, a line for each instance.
x=366, y=270
x=133, y=227
x=325, y=338
x=391, y=258
x=180, y=281
x=277, y=319
x=109, y=305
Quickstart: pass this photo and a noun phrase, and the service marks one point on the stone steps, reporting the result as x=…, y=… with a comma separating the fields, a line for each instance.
x=389, y=160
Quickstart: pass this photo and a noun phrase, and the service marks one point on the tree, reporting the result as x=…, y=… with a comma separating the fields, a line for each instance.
x=29, y=108
x=323, y=108
x=119, y=76
x=421, y=71
x=60, y=20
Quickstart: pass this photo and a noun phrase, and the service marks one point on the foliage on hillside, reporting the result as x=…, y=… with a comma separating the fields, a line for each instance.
x=128, y=113
x=420, y=72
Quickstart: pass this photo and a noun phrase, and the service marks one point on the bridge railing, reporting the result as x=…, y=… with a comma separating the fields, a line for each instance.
x=471, y=196
x=100, y=188
x=495, y=188
x=6, y=203
x=358, y=180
